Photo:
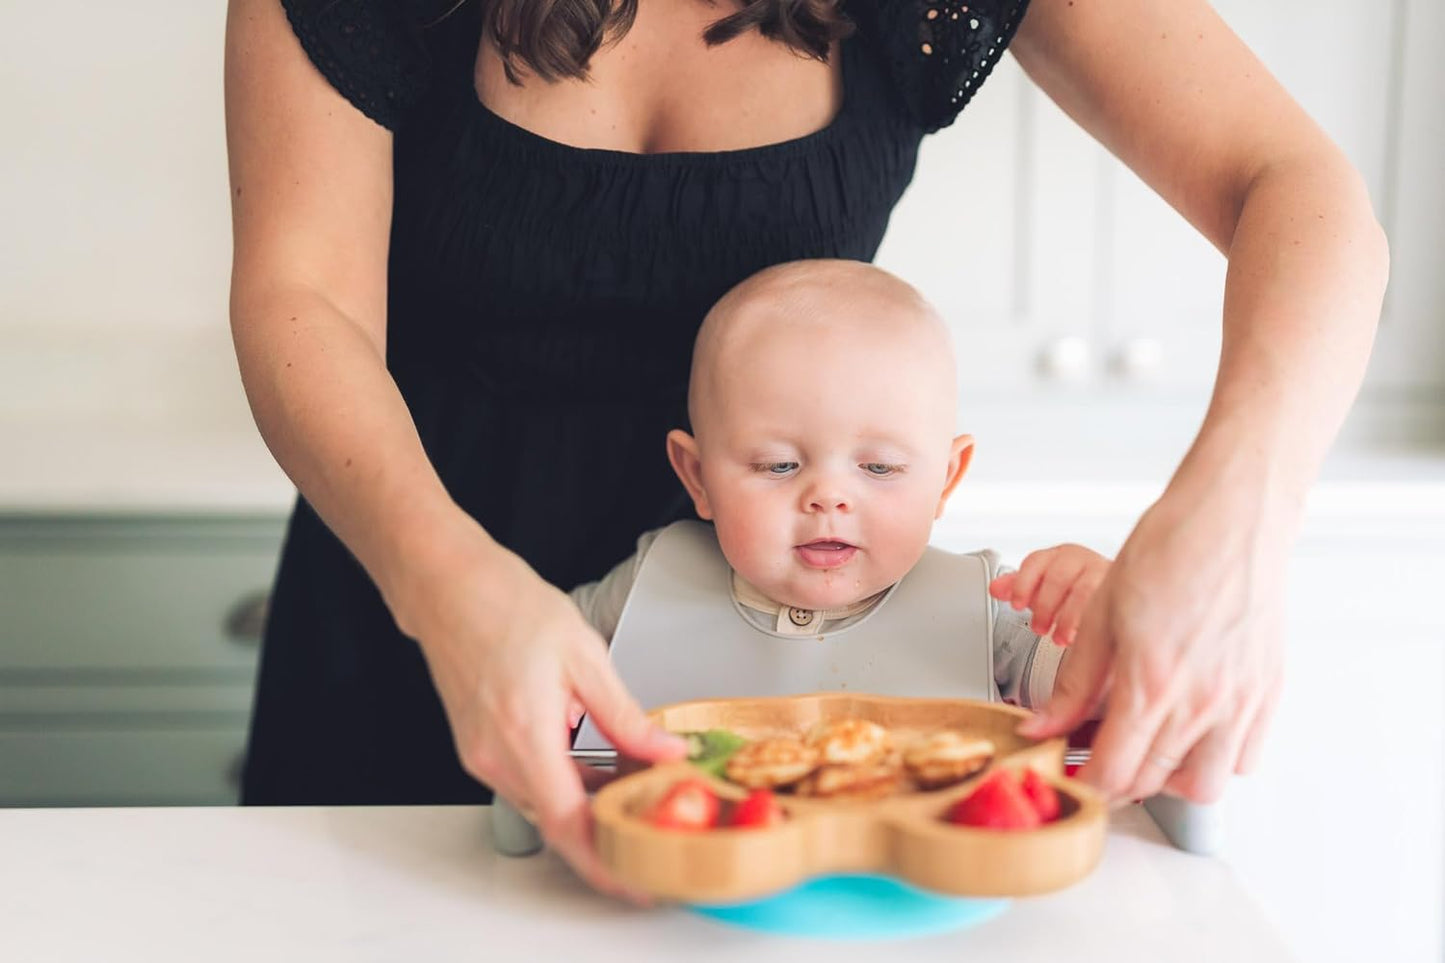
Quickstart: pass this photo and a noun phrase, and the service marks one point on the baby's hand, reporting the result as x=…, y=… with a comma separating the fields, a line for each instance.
x=1056, y=584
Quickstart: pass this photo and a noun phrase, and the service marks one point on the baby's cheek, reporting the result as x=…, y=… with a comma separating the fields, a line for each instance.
x=763, y=554
x=907, y=537
x=738, y=538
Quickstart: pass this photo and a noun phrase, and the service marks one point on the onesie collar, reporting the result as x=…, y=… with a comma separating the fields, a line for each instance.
x=791, y=620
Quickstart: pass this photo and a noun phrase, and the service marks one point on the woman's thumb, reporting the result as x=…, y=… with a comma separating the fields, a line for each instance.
x=618, y=716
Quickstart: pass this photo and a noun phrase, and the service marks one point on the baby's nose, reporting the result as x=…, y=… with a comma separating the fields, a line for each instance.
x=827, y=498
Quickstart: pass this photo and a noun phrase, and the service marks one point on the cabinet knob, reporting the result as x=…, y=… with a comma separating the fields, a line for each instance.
x=1139, y=359
x=247, y=619
x=1068, y=359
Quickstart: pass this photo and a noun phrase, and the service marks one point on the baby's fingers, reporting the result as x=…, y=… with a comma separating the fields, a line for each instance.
x=1002, y=587
x=1060, y=574
x=1026, y=580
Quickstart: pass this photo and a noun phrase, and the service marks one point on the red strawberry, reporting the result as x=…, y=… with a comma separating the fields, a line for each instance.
x=760, y=810
x=689, y=805
x=998, y=803
x=1044, y=797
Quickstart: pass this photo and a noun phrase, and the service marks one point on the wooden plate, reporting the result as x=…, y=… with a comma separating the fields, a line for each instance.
x=903, y=835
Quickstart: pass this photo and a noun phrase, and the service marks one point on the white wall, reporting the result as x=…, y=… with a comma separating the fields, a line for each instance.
x=114, y=217
x=115, y=235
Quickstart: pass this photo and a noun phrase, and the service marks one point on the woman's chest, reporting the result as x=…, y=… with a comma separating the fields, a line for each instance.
x=485, y=207
x=660, y=88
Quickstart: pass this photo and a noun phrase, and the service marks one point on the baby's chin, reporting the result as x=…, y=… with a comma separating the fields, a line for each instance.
x=843, y=592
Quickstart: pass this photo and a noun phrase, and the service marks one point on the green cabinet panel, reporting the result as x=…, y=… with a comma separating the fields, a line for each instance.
x=189, y=765
x=128, y=648
x=141, y=595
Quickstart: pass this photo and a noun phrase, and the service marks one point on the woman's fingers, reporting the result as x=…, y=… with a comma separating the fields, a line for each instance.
x=1206, y=772
x=1141, y=697
x=617, y=715
x=1258, y=726
x=1081, y=681
x=1169, y=753
x=552, y=789
x=563, y=813
x=594, y=778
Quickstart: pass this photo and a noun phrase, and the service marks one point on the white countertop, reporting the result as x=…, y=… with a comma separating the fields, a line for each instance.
x=423, y=883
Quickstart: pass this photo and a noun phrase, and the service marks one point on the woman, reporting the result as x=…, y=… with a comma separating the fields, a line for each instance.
x=472, y=247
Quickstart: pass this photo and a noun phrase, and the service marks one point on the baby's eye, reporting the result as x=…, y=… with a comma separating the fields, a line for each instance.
x=880, y=469
x=775, y=467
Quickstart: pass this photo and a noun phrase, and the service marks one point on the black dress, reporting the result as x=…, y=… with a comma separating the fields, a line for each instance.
x=541, y=309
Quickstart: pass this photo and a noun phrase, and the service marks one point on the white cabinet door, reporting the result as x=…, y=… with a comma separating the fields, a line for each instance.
x=1166, y=283
x=999, y=231
x=1408, y=366
x=1064, y=275
x=956, y=233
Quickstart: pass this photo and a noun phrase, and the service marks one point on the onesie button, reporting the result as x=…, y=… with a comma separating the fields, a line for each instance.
x=801, y=616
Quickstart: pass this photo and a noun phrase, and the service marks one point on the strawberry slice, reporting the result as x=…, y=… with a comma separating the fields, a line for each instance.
x=760, y=810
x=689, y=805
x=999, y=802
x=1043, y=796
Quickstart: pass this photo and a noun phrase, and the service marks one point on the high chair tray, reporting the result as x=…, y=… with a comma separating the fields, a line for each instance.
x=904, y=835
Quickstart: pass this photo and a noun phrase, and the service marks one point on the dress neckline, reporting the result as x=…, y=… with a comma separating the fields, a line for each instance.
x=542, y=145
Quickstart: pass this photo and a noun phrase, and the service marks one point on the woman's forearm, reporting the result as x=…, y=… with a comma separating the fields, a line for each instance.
x=1308, y=264
x=332, y=416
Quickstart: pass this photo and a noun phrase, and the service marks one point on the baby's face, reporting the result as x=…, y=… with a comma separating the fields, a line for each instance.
x=824, y=462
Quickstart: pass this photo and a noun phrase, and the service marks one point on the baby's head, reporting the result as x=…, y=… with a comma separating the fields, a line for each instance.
x=822, y=403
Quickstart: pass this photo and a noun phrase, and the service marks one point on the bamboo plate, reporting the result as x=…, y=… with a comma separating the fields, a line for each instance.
x=903, y=836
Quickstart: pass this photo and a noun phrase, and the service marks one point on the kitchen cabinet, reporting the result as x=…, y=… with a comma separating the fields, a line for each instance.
x=1065, y=276
x=128, y=648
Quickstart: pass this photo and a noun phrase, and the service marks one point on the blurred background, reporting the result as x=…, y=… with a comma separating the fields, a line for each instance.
x=141, y=516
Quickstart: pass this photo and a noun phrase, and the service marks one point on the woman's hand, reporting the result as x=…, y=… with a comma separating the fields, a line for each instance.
x=514, y=662
x=1055, y=585
x=1182, y=641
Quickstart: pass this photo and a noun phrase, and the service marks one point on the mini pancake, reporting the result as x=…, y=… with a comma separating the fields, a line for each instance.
x=849, y=741
x=871, y=780
x=946, y=757
x=769, y=763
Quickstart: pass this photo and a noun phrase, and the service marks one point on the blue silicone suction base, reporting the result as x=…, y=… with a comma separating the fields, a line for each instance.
x=855, y=907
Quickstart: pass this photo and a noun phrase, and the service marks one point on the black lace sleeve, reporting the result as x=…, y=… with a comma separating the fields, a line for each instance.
x=941, y=51
x=369, y=50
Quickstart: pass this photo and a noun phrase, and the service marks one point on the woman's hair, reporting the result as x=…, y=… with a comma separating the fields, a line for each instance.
x=555, y=39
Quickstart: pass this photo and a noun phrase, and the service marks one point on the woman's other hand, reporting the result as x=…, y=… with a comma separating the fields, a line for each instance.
x=1183, y=643
x=514, y=662
x=1055, y=585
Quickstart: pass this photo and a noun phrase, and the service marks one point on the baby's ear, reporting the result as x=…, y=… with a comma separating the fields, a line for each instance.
x=959, y=456
x=682, y=451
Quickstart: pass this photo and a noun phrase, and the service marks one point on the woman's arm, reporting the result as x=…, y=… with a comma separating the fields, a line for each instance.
x=311, y=212
x=311, y=190
x=1169, y=89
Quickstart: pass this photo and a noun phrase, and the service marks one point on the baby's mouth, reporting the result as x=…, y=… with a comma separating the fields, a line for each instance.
x=826, y=552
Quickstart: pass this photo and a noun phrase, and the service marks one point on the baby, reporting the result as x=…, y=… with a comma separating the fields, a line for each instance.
x=822, y=404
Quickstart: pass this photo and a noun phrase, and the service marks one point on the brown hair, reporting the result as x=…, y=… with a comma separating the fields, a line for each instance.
x=555, y=39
